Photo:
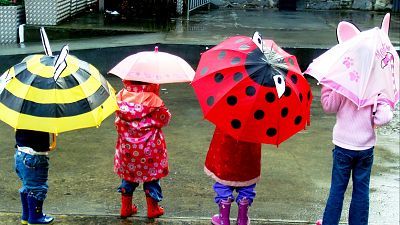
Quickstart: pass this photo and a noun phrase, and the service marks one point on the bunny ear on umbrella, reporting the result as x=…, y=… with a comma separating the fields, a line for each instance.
x=253, y=90
x=363, y=66
x=45, y=42
x=55, y=94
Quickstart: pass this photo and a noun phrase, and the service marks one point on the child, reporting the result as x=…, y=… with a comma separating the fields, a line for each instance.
x=141, y=153
x=354, y=139
x=235, y=165
x=32, y=167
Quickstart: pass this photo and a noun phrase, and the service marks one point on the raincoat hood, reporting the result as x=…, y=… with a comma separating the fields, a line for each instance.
x=138, y=100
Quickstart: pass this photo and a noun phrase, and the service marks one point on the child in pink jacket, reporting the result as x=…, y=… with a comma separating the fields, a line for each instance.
x=141, y=152
x=354, y=139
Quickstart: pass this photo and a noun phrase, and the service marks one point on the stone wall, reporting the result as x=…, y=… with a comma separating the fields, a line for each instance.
x=312, y=4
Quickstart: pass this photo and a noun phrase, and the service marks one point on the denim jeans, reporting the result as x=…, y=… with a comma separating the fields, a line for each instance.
x=358, y=164
x=33, y=171
x=225, y=192
x=153, y=188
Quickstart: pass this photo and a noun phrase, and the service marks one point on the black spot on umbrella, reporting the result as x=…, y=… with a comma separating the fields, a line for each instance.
x=287, y=92
x=259, y=114
x=294, y=78
x=237, y=76
x=235, y=60
x=218, y=77
x=291, y=62
x=236, y=124
x=301, y=97
x=284, y=112
x=204, y=71
x=210, y=100
x=221, y=55
x=231, y=100
x=308, y=95
x=250, y=91
x=271, y=132
x=270, y=97
x=297, y=120
x=262, y=70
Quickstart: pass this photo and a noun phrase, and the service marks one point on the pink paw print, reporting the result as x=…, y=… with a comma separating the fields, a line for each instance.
x=354, y=76
x=348, y=62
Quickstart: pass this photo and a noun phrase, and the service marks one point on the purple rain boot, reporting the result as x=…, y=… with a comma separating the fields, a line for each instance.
x=224, y=210
x=243, y=218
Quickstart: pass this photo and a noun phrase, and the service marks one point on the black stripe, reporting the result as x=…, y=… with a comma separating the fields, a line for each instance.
x=44, y=83
x=53, y=110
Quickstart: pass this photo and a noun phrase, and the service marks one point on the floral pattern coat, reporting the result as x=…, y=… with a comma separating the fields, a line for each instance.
x=141, y=153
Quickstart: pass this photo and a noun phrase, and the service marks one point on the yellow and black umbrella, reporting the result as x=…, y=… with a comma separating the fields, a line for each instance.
x=55, y=94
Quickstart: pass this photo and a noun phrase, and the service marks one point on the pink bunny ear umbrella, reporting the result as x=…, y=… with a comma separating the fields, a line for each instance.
x=363, y=67
x=154, y=67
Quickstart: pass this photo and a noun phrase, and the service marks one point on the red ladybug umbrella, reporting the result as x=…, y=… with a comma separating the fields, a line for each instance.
x=253, y=90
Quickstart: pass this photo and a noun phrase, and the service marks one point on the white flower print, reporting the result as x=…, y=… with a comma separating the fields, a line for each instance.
x=138, y=108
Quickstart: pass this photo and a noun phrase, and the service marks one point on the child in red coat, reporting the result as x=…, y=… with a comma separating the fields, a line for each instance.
x=141, y=153
x=234, y=165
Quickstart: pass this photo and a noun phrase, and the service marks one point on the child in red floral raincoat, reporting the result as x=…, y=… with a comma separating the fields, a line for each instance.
x=141, y=153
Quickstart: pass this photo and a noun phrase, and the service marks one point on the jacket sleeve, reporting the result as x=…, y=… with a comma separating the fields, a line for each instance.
x=383, y=114
x=162, y=117
x=330, y=100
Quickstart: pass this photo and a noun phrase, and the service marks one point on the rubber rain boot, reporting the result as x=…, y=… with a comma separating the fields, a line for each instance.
x=224, y=210
x=127, y=208
x=36, y=215
x=153, y=209
x=25, y=208
x=243, y=218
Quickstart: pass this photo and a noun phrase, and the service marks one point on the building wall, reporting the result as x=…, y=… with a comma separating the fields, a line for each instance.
x=314, y=4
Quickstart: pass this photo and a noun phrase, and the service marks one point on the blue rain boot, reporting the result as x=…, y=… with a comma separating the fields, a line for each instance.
x=36, y=215
x=25, y=208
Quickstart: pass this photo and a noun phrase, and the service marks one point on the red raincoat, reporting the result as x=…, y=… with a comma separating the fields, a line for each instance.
x=141, y=153
x=232, y=162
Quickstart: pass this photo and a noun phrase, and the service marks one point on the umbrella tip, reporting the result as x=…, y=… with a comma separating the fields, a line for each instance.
x=156, y=49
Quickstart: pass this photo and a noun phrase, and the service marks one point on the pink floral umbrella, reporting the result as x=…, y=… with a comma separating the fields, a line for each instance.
x=364, y=66
x=154, y=67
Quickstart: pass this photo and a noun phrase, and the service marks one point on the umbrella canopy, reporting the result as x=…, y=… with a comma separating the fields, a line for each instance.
x=154, y=67
x=253, y=90
x=363, y=67
x=55, y=94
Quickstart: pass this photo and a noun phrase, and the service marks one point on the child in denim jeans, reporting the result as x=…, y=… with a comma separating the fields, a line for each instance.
x=235, y=166
x=354, y=139
x=141, y=153
x=32, y=167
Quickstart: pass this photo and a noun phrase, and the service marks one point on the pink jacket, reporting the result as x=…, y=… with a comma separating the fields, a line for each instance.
x=140, y=151
x=354, y=128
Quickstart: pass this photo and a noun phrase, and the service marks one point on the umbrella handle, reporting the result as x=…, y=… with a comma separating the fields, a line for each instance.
x=53, y=142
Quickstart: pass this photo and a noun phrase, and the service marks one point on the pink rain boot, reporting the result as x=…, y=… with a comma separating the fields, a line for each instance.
x=224, y=210
x=319, y=222
x=243, y=218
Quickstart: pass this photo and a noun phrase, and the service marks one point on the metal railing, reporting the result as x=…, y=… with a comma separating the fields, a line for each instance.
x=194, y=4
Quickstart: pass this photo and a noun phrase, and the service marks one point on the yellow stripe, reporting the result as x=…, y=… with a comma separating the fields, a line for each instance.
x=58, y=125
x=60, y=96
x=36, y=67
